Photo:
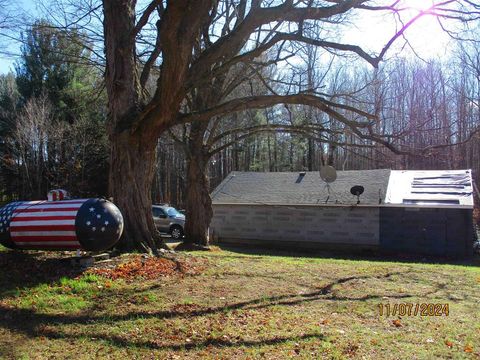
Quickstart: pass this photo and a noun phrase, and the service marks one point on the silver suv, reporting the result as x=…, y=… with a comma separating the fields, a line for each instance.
x=167, y=219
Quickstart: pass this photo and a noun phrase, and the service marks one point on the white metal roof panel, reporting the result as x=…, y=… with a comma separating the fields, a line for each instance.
x=430, y=187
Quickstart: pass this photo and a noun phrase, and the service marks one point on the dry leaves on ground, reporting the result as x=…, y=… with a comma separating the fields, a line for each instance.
x=148, y=268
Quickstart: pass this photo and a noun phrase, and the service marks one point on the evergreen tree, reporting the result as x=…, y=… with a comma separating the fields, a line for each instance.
x=55, y=74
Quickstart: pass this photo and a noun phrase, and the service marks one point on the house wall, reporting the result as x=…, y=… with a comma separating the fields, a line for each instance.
x=428, y=231
x=397, y=230
x=307, y=225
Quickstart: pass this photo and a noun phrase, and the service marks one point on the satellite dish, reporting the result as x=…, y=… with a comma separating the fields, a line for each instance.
x=328, y=174
x=357, y=190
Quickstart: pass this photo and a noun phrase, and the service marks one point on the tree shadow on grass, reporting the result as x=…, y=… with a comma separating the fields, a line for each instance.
x=28, y=321
x=345, y=254
x=32, y=324
x=24, y=269
x=160, y=344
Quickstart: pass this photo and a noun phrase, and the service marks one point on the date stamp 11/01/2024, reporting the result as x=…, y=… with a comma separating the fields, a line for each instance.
x=411, y=309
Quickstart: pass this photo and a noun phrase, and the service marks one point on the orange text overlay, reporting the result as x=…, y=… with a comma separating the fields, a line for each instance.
x=411, y=309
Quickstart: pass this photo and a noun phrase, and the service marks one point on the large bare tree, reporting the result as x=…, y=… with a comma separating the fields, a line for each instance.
x=185, y=46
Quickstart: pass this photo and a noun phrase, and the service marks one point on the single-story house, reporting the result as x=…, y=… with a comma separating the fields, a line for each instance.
x=421, y=212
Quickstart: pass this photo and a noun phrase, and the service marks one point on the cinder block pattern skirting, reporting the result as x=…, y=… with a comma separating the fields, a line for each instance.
x=295, y=223
x=413, y=230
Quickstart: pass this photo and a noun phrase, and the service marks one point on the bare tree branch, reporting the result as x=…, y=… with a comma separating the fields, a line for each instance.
x=261, y=102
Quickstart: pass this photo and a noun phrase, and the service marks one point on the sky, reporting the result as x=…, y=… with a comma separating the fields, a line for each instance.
x=6, y=64
x=27, y=7
x=371, y=32
x=425, y=36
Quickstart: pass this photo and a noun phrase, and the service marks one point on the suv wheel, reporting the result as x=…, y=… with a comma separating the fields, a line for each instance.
x=176, y=232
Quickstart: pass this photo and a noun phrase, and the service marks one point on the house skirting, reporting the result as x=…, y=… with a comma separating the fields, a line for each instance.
x=397, y=229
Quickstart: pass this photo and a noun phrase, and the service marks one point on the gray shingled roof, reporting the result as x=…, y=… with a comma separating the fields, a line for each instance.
x=285, y=187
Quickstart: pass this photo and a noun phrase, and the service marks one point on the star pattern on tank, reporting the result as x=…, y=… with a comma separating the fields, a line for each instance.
x=99, y=219
x=6, y=214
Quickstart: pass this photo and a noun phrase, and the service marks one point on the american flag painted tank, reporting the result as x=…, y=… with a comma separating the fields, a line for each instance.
x=87, y=224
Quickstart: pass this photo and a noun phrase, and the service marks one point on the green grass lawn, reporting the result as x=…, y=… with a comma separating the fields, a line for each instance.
x=240, y=306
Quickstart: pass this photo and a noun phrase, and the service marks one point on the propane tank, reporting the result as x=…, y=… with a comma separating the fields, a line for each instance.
x=76, y=224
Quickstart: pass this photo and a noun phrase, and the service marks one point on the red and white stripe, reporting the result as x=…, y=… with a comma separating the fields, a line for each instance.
x=57, y=195
x=46, y=224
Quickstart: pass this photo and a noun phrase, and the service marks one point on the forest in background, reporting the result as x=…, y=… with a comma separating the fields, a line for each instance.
x=53, y=116
x=157, y=103
x=431, y=110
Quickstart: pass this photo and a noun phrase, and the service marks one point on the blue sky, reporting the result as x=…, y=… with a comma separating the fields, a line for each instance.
x=7, y=62
x=27, y=7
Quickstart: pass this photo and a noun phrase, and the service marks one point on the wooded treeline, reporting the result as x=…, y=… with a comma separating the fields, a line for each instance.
x=52, y=123
x=430, y=109
x=251, y=86
x=52, y=119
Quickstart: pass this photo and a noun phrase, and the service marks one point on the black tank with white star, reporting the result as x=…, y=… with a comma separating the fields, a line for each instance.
x=98, y=224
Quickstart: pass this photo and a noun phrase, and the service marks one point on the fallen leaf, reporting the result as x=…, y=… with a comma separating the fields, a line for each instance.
x=468, y=348
x=397, y=323
x=351, y=349
x=325, y=322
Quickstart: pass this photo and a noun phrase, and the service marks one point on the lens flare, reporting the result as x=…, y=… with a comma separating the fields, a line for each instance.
x=417, y=5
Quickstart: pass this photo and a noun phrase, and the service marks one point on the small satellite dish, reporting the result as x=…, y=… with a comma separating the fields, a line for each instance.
x=357, y=190
x=328, y=174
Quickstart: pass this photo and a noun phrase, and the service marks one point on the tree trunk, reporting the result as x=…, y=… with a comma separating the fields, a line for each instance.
x=198, y=202
x=310, y=154
x=132, y=167
x=132, y=154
